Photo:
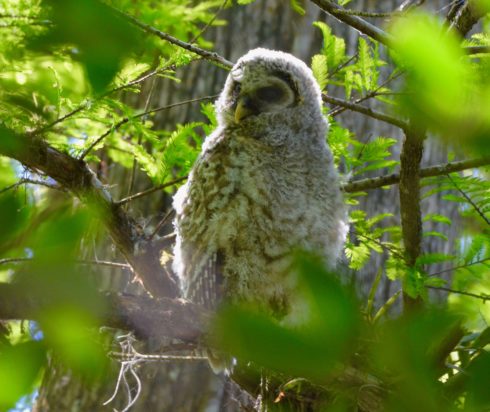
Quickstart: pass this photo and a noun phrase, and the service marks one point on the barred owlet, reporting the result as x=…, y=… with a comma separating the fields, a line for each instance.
x=263, y=185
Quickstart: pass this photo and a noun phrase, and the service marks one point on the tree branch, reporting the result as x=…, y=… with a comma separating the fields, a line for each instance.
x=76, y=176
x=354, y=21
x=433, y=171
x=159, y=319
x=365, y=110
x=409, y=192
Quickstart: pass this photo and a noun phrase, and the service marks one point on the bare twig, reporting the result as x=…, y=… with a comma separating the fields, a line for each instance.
x=151, y=190
x=31, y=182
x=161, y=223
x=365, y=110
x=209, y=23
x=477, y=262
x=485, y=297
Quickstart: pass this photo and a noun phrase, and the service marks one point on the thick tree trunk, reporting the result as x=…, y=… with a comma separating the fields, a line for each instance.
x=191, y=386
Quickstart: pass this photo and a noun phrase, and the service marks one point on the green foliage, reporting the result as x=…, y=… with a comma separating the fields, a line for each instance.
x=101, y=49
x=359, y=157
x=449, y=101
x=313, y=350
x=75, y=86
x=20, y=367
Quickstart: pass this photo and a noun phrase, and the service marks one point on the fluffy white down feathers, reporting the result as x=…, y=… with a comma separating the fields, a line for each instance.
x=264, y=185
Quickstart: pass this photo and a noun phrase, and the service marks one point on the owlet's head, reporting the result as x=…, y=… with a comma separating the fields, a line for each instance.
x=268, y=90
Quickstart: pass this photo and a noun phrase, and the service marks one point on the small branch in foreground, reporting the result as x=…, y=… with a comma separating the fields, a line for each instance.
x=208, y=55
x=365, y=110
x=433, y=171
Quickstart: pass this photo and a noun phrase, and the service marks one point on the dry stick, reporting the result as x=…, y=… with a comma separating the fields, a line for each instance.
x=365, y=110
x=127, y=119
x=433, y=171
x=208, y=55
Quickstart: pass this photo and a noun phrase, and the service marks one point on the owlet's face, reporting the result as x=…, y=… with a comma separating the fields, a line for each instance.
x=272, y=97
x=256, y=90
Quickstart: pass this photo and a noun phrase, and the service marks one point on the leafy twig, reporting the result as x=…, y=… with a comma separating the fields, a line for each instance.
x=208, y=55
x=469, y=200
x=127, y=119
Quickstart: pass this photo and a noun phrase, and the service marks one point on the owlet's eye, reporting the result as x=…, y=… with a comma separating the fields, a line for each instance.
x=270, y=93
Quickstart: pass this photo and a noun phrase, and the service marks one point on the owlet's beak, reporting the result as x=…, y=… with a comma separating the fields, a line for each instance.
x=245, y=107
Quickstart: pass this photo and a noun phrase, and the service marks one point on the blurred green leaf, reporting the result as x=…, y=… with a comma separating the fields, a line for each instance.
x=409, y=348
x=97, y=37
x=70, y=332
x=13, y=217
x=20, y=366
x=311, y=349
